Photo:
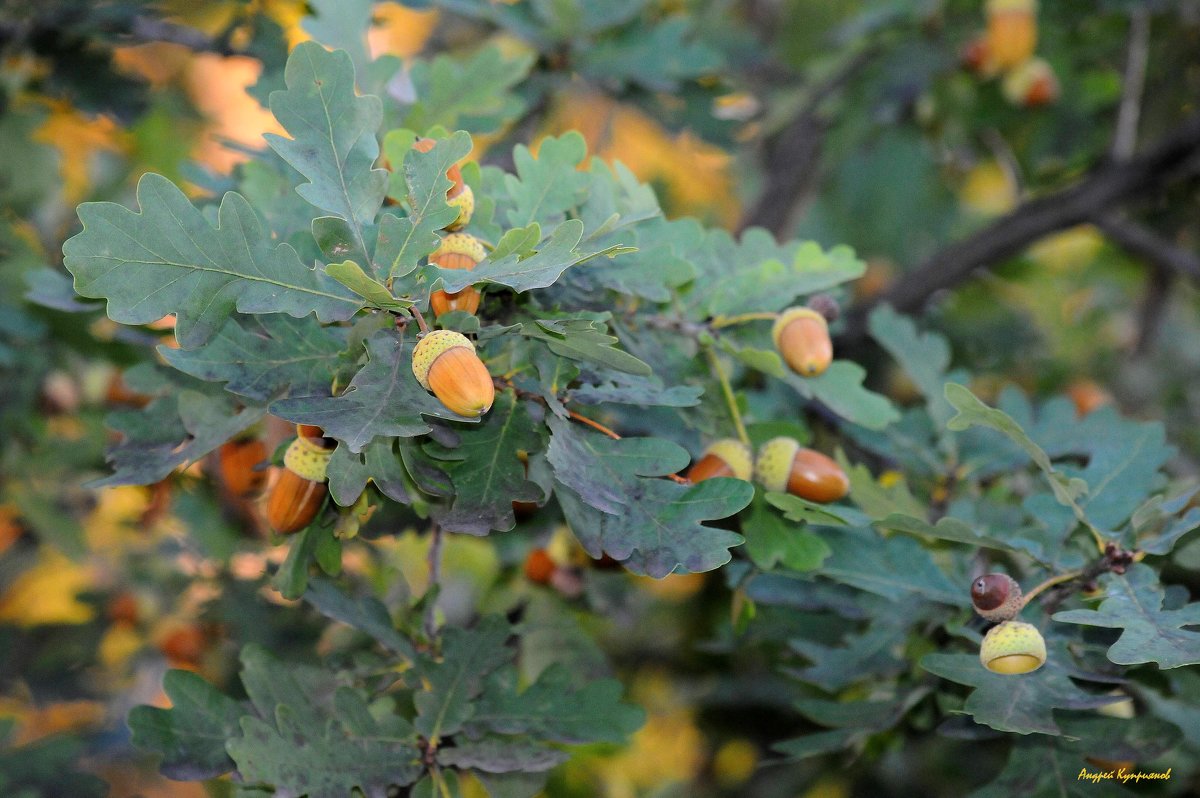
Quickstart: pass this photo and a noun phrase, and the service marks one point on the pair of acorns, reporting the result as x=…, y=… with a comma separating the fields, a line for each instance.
x=457, y=250
x=782, y=465
x=1011, y=647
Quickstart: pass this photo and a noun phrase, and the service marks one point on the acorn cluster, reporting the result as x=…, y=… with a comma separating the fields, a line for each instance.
x=1006, y=49
x=1010, y=647
x=782, y=465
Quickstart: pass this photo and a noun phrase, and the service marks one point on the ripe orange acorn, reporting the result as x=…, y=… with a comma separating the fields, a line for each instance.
x=445, y=363
x=802, y=337
x=454, y=173
x=784, y=465
x=184, y=644
x=727, y=457
x=539, y=568
x=1031, y=85
x=300, y=491
x=457, y=251
x=1011, y=31
x=997, y=597
x=1088, y=396
x=239, y=465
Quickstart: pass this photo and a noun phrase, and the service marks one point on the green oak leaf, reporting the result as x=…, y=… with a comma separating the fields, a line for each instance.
x=266, y=357
x=656, y=57
x=548, y=184
x=502, y=755
x=601, y=386
x=540, y=270
x=172, y=431
x=894, y=567
x=383, y=399
x=1021, y=704
x=801, y=510
x=472, y=91
x=772, y=285
x=190, y=736
x=486, y=471
x=298, y=758
x=422, y=185
x=771, y=540
x=449, y=686
x=169, y=259
x=1133, y=602
x=613, y=504
x=365, y=613
x=840, y=388
x=348, y=472
x=585, y=340
x=873, y=654
x=925, y=357
x=858, y=720
x=333, y=141
x=555, y=708
x=376, y=294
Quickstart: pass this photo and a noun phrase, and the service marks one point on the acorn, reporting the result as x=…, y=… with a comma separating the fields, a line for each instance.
x=784, y=465
x=997, y=597
x=454, y=173
x=1031, y=85
x=802, y=337
x=1011, y=32
x=465, y=202
x=1088, y=396
x=184, y=644
x=727, y=457
x=300, y=491
x=445, y=363
x=976, y=57
x=1013, y=647
x=539, y=568
x=457, y=251
x=240, y=466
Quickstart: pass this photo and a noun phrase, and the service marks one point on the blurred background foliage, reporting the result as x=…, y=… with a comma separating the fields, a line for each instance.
x=854, y=122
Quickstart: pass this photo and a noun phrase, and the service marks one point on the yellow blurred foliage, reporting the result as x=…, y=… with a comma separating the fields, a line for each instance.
x=115, y=522
x=46, y=593
x=119, y=643
x=400, y=31
x=988, y=190
x=828, y=788
x=218, y=86
x=34, y=722
x=696, y=176
x=673, y=587
x=1069, y=250
x=78, y=139
x=734, y=762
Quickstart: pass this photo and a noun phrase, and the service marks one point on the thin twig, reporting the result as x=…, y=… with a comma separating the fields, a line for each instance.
x=420, y=319
x=1142, y=242
x=1133, y=85
x=435, y=577
x=718, y=370
x=1051, y=582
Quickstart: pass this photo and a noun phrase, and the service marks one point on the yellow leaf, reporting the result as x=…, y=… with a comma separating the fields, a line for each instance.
x=46, y=593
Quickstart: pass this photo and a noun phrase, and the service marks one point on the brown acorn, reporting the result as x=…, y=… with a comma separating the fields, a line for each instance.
x=997, y=597
x=724, y=458
x=457, y=251
x=239, y=463
x=802, y=337
x=300, y=490
x=445, y=363
x=539, y=568
x=454, y=173
x=184, y=645
x=784, y=465
x=1031, y=85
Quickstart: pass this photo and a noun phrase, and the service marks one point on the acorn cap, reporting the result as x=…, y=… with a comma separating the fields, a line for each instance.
x=307, y=458
x=465, y=202
x=1011, y=6
x=736, y=454
x=460, y=244
x=1013, y=647
x=430, y=347
x=774, y=464
x=789, y=316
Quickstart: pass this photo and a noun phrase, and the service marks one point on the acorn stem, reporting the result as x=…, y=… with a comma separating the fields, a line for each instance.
x=726, y=389
x=742, y=318
x=416, y=314
x=435, y=575
x=1049, y=583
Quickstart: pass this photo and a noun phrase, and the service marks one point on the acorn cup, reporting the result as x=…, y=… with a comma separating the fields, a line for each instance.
x=1013, y=647
x=457, y=251
x=1031, y=85
x=801, y=335
x=997, y=597
x=239, y=464
x=300, y=491
x=727, y=457
x=1011, y=32
x=784, y=465
x=445, y=363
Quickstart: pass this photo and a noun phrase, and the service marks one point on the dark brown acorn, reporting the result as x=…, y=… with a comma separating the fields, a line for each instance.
x=997, y=597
